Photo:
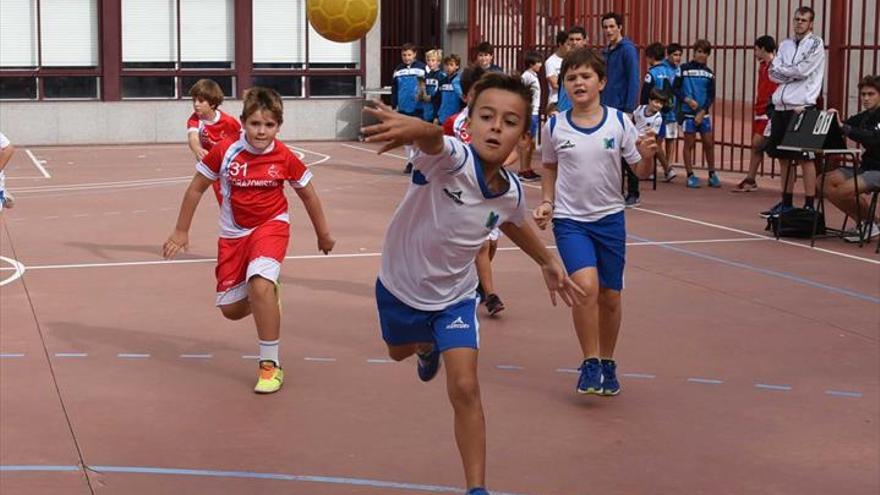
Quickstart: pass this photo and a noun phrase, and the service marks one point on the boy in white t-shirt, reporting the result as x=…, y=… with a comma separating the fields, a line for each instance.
x=649, y=120
x=586, y=206
x=530, y=79
x=6, y=152
x=551, y=71
x=426, y=289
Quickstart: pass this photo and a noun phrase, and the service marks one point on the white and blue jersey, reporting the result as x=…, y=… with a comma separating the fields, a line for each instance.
x=653, y=122
x=697, y=82
x=450, y=97
x=661, y=76
x=432, y=89
x=405, y=87
x=438, y=228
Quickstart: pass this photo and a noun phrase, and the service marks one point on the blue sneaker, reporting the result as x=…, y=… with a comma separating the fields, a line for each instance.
x=477, y=491
x=429, y=365
x=714, y=181
x=693, y=182
x=777, y=209
x=590, y=381
x=610, y=385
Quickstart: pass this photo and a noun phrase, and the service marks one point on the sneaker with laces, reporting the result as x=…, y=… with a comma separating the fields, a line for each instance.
x=671, y=174
x=856, y=235
x=773, y=211
x=693, y=182
x=6, y=200
x=610, y=385
x=271, y=378
x=590, y=381
x=714, y=181
x=428, y=365
x=745, y=185
x=494, y=304
x=632, y=201
x=477, y=491
x=529, y=176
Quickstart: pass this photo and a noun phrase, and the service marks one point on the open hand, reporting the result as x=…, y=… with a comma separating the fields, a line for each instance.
x=178, y=241
x=393, y=128
x=559, y=283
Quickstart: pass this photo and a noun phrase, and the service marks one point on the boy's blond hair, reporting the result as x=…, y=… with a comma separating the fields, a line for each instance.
x=435, y=54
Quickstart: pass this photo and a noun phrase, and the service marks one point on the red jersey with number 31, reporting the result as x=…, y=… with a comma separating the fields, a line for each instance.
x=252, y=183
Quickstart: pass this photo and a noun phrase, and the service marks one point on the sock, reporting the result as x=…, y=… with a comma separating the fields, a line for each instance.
x=808, y=201
x=269, y=351
x=787, y=199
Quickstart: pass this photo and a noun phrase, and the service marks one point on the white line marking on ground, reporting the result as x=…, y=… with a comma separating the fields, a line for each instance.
x=71, y=354
x=38, y=164
x=843, y=393
x=567, y=370
x=11, y=355
x=646, y=376
x=368, y=150
x=380, y=361
x=51, y=217
x=509, y=367
x=321, y=359
x=709, y=381
x=132, y=356
x=31, y=177
x=196, y=356
x=17, y=268
x=765, y=386
x=250, y=357
x=87, y=186
x=322, y=160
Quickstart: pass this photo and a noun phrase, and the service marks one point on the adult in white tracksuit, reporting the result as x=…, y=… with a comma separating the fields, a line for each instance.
x=799, y=68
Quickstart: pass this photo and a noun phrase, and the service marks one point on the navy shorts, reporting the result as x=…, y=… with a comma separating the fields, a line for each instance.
x=691, y=127
x=600, y=244
x=453, y=327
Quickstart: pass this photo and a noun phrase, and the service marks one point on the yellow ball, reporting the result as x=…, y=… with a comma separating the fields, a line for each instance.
x=342, y=21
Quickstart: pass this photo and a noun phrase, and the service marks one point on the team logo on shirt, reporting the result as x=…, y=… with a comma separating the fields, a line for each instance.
x=458, y=324
x=609, y=143
x=566, y=145
x=273, y=171
x=492, y=221
x=454, y=196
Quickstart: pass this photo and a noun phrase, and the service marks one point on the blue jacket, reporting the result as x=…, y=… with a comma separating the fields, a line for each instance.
x=450, y=97
x=432, y=88
x=697, y=81
x=622, y=88
x=661, y=76
x=564, y=104
x=405, y=88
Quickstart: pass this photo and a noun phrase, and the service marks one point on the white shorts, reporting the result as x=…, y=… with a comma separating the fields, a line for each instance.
x=672, y=130
x=495, y=234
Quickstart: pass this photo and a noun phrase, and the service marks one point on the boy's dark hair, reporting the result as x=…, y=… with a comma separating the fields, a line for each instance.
x=469, y=76
x=704, y=46
x=578, y=30
x=408, y=47
x=870, y=82
x=208, y=90
x=452, y=58
x=806, y=10
x=673, y=47
x=533, y=58
x=485, y=47
x=258, y=99
x=612, y=15
x=659, y=95
x=583, y=57
x=561, y=38
x=656, y=51
x=504, y=82
x=767, y=43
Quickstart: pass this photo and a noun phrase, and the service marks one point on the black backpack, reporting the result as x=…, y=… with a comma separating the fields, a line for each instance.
x=797, y=222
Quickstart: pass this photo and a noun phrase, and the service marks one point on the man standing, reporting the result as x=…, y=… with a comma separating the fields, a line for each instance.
x=552, y=66
x=622, y=89
x=799, y=68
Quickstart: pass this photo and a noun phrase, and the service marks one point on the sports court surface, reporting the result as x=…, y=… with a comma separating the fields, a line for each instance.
x=749, y=366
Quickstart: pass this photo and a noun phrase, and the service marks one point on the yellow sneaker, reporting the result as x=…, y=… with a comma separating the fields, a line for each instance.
x=271, y=378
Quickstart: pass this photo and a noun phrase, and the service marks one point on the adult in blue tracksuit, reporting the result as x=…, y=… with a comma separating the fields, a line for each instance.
x=451, y=97
x=695, y=92
x=622, y=86
x=408, y=82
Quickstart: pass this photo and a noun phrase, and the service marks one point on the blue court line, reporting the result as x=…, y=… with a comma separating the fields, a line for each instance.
x=766, y=386
x=765, y=271
x=332, y=480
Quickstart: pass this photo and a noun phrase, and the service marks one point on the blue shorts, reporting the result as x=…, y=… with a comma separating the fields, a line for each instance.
x=535, y=127
x=691, y=127
x=600, y=244
x=453, y=327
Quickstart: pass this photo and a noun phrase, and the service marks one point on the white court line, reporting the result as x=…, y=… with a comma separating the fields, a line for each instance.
x=310, y=256
x=322, y=160
x=368, y=150
x=105, y=185
x=17, y=267
x=39, y=165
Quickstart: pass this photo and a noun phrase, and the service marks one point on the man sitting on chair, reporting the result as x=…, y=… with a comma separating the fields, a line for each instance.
x=840, y=188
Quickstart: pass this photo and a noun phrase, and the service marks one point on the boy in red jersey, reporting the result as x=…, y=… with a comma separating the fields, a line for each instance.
x=254, y=222
x=207, y=125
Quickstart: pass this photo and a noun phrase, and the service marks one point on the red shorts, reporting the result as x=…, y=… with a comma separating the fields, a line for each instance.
x=259, y=253
x=758, y=125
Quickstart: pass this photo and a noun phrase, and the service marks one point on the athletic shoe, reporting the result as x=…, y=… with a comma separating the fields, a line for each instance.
x=7, y=200
x=590, y=381
x=529, y=176
x=668, y=176
x=774, y=211
x=494, y=304
x=693, y=182
x=745, y=185
x=855, y=236
x=429, y=365
x=714, y=181
x=477, y=491
x=271, y=378
x=408, y=169
x=610, y=385
x=633, y=201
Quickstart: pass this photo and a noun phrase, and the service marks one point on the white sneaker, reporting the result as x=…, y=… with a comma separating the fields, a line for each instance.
x=855, y=237
x=670, y=175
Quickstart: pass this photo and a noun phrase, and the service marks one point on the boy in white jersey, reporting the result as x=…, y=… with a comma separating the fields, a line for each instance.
x=6, y=152
x=426, y=289
x=581, y=151
x=530, y=79
x=649, y=121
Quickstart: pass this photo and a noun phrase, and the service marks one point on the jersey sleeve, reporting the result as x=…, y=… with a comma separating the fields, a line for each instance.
x=519, y=215
x=548, y=148
x=192, y=124
x=299, y=174
x=210, y=164
x=628, y=149
x=452, y=159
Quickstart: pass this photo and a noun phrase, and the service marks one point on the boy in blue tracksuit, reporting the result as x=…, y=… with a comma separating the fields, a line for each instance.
x=407, y=87
x=433, y=79
x=695, y=90
x=451, y=96
x=660, y=76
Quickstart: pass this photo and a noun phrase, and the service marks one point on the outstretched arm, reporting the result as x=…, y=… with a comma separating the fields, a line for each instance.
x=554, y=275
x=179, y=239
x=309, y=197
x=396, y=130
